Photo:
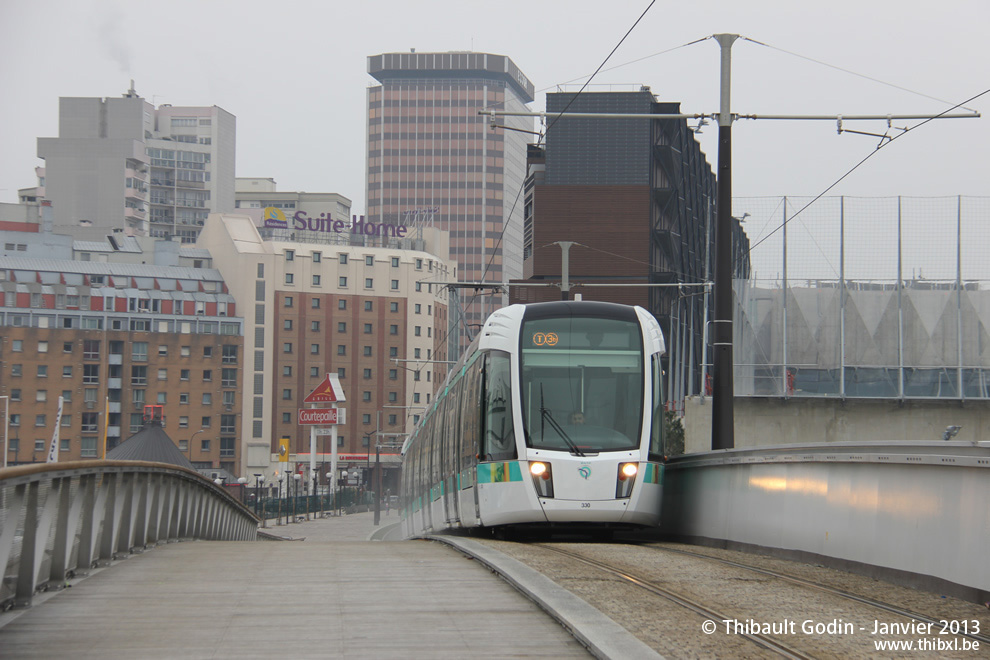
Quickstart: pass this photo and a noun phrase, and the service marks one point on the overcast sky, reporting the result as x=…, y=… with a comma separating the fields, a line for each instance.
x=295, y=73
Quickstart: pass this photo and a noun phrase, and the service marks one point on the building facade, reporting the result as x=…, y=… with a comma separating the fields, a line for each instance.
x=375, y=316
x=108, y=339
x=637, y=198
x=122, y=163
x=433, y=159
x=255, y=196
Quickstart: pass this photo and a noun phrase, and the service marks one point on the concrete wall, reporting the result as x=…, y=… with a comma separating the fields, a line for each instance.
x=765, y=421
x=913, y=513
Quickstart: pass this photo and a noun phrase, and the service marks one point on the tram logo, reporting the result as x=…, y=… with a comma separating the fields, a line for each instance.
x=585, y=472
x=545, y=339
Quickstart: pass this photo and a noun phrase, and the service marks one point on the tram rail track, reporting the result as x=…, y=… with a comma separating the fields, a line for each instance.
x=782, y=649
x=811, y=584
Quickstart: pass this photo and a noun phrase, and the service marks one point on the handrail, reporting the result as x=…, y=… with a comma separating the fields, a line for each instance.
x=59, y=520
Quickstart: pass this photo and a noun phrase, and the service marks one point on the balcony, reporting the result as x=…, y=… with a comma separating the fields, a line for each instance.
x=115, y=359
x=113, y=431
x=114, y=406
x=114, y=383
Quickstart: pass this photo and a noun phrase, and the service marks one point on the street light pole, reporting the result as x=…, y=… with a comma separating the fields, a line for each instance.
x=6, y=427
x=378, y=483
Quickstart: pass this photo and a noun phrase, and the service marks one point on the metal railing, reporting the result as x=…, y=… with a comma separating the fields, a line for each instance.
x=58, y=520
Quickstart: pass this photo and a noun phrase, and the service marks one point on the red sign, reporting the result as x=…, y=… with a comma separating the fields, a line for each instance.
x=320, y=416
x=329, y=391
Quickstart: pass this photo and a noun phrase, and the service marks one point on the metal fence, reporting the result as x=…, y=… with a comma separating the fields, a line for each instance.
x=59, y=520
x=864, y=297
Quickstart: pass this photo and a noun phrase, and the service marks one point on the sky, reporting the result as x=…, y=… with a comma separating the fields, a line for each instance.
x=295, y=76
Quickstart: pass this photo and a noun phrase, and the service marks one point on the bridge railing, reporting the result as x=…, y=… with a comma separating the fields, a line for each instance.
x=59, y=520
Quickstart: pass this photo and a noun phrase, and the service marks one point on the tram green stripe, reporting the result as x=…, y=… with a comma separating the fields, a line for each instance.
x=490, y=473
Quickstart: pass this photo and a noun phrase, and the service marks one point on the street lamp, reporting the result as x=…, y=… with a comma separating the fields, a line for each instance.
x=343, y=479
x=280, y=478
x=241, y=481
x=189, y=448
x=295, y=477
x=330, y=491
x=6, y=427
x=258, y=479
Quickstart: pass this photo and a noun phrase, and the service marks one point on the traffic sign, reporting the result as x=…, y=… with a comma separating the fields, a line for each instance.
x=329, y=391
x=322, y=416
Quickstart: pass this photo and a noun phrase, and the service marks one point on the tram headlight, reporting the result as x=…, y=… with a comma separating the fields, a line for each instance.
x=625, y=479
x=542, y=478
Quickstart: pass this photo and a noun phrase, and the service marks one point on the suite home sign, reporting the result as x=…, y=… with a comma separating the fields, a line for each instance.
x=275, y=219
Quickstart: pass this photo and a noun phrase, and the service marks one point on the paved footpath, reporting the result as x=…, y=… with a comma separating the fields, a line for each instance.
x=335, y=595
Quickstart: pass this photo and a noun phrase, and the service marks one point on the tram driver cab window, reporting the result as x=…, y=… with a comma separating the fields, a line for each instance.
x=498, y=441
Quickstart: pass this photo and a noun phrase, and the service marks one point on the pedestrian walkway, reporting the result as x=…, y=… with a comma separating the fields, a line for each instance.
x=333, y=595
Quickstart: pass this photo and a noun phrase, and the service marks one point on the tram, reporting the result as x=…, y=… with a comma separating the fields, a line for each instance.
x=552, y=418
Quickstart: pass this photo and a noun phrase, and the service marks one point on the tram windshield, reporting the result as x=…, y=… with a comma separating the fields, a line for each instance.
x=582, y=384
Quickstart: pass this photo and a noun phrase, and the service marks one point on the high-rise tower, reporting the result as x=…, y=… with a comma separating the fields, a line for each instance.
x=432, y=159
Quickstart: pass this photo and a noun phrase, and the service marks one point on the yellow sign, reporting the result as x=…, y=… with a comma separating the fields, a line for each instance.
x=283, y=450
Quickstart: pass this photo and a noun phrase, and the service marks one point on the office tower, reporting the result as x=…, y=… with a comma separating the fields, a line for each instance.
x=432, y=159
x=121, y=163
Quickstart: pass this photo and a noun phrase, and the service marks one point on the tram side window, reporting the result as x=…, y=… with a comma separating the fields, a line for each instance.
x=657, y=416
x=470, y=419
x=499, y=441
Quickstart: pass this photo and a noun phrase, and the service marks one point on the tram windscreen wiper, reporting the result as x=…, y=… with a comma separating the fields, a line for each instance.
x=547, y=416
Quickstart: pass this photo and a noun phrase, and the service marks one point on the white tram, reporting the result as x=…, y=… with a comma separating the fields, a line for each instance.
x=553, y=416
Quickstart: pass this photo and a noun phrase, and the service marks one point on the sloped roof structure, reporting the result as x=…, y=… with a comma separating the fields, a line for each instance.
x=149, y=444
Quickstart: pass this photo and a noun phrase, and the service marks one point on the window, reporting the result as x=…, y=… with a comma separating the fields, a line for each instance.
x=15, y=420
x=287, y=347
x=288, y=301
x=286, y=418
x=204, y=445
x=184, y=351
x=163, y=374
x=417, y=308
x=286, y=370
x=419, y=264
x=416, y=331
x=39, y=420
x=416, y=353
x=317, y=257
x=341, y=304
x=42, y=371
x=341, y=326
x=289, y=277
x=229, y=354
x=207, y=399
x=261, y=270
x=341, y=349
x=395, y=285
x=314, y=349
x=17, y=346
x=208, y=352
x=315, y=303
x=139, y=351
x=207, y=375
x=369, y=260
x=393, y=351
x=228, y=423
x=67, y=372
x=41, y=395
x=416, y=376
x=228, y=377
x=391, y=420
x=393, y=397
x=395, y=262
x=206, y=422
x=67, y=347
x=341, y=372
x=15, y=395
x=15, y=370
x=393, y=329
x=393, y=374
x=342, y=282
x=342, y=258
x=287, y=324
x=162, y=398
x=91, y=349
x=316, y=280
x=183, y=374
x=419, y=286
x=290, y=255
x=367, y=329
x=366, y=419
x=314, y=326
x=184, y=398
x=367, y=374
x=90, y=422
x=139, y=375
x=183, y=422
x=367, y=351
x=42, y=346
x=287, y=394
x=314, y=372
x=137, y=396
x=393, y=307
x=368, y=306
x=67, y=396
x=369, y=283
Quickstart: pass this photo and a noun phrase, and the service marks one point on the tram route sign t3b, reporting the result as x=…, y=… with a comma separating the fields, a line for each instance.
x=328, y=391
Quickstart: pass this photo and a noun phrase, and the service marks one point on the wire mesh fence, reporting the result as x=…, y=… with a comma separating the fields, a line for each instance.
x=864, y=297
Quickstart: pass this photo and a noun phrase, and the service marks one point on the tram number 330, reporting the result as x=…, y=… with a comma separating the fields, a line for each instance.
x=585, y=505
